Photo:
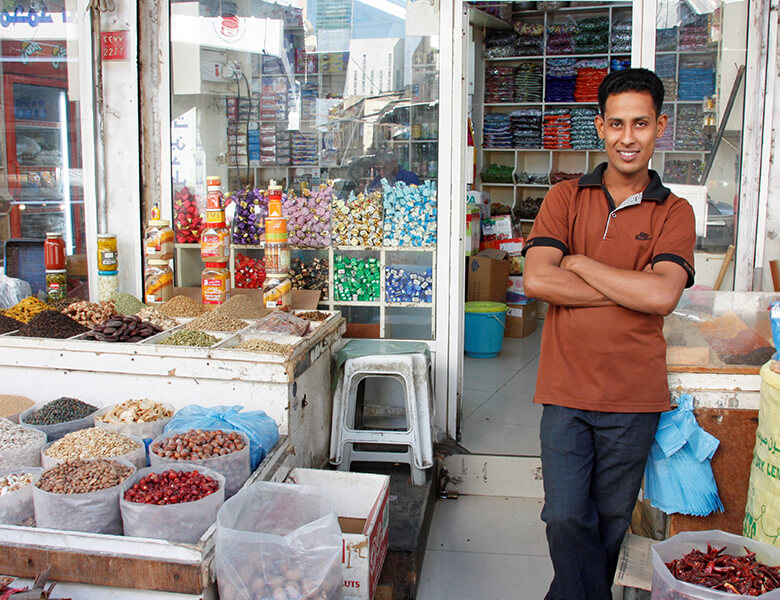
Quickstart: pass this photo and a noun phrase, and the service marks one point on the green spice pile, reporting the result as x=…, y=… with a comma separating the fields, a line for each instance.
x=60, y=410
x=190, y=337
x=181, y=306
x=51, y=324
x=242, y=307
x=126, y=304
x=8, y=324
x=258, y=345
x=214, y=321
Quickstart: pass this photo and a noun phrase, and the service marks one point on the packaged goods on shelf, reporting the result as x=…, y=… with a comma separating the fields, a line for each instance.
x=497, y=174
x=355, y=279
x=697, y=79
x=560, y=38
x=308, y=101
x=694, y=32
x=666, y=141
x=528, y=82
x=500, y=10
x=501, y=44
x=527, y=208
x=308, y=216
x=526, y=127
x=357, y=221
x=559, y=176
x=277, y=292
x=248, y=272
x=590, y=73
x=689, y=132
x=532, y=178
x=304, y=149
x=561, y=79
x=592, y=36
x=408, y=285
x=188, y=219
x=251, y=209
x=621, y=36
x=618, y=64
x=583, y=129
x=108, y=257
x=215, y=283
x=683, y=171
x=499, y=84
x=531, y=38
x=557, y=129
x=311, y=275
x=497, y=131
x=666, y=39
x=410, y=214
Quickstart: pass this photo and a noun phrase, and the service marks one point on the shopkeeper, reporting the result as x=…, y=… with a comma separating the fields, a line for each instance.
x=389, y=169
x=611, y=253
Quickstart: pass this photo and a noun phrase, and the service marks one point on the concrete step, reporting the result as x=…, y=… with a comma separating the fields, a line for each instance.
x=492, y=475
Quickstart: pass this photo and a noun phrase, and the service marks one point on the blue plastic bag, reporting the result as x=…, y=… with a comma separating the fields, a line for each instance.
x=678, y=475
x=262, y=430
x=774, y=320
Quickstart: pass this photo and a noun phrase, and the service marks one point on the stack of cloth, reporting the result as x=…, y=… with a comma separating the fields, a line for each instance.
x=693, y=33
x=557, y=129
x=666, y=142
x=666, y=69
x=526, y=128
x=497, y=132
x=500, y=44
x=689, y=134
x=499, y=85
x=560, y=38
x=583, y=130
x=590, y=73
x=666, y=40
x=561, y=79
x=697, y=80
x=592, y=36
x=531, y=39
x=618, y=64
x=683, y=171
x=528, y=82
x=621, y=37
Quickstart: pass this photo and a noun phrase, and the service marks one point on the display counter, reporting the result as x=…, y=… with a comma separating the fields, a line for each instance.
x=293, y=390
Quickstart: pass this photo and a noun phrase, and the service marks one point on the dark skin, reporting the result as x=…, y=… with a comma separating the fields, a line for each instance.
x=629, y=128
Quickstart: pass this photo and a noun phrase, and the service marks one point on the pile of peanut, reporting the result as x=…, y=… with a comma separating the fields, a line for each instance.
x=89, y=313
x=83, y=476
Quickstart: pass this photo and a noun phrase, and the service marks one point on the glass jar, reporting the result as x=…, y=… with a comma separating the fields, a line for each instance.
x=108, y=284
x=54, y=251
x=158, y=240
x=215, y=243
x=277, y=257
x=214, y=198
x=215, y=284
x=56, y=284
x=277, y=292
x=107, y=252
x=158, y=282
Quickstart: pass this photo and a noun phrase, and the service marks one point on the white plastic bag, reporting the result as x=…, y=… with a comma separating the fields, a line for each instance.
x=13, y=291
x=56, y=431
x=17, y=506
x=234, y=467
x=185, y=522
x=137, y=457
x=275, y=538
x=24, y=456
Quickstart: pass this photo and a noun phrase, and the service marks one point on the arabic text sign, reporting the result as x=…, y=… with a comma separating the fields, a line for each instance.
x=113, y=45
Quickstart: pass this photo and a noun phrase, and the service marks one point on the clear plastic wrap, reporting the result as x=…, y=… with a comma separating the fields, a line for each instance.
x=92, y=512
x=234, y=467
x=666, y=587
x=137, y=458
x=145, y=431
x=282, y=323
x=185, y=522
x=24, y=456
x=275, y=536
x=17, y=506
x=12, y=291
x=55, y=432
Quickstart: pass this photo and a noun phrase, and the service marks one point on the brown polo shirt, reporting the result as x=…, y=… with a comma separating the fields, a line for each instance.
x=611, y=358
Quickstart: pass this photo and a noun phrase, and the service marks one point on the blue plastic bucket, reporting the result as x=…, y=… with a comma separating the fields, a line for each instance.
x=484, y=329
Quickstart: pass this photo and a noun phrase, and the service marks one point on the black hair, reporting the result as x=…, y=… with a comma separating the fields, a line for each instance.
x=632, y=80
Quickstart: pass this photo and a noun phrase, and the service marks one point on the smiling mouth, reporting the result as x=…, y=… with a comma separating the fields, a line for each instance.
x=628, y=154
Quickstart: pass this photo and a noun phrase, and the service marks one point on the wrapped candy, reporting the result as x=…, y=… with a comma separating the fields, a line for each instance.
x=188, y=220
x=410, y=214
x=250, y=211
x=357, y=221
x=249, y=272
x=308, y=216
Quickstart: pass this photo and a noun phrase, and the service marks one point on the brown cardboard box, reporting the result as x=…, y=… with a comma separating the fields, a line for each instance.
x=521, y=319
x=487, y=277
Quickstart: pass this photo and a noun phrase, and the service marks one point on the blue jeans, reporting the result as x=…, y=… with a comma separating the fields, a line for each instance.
x=592, y=465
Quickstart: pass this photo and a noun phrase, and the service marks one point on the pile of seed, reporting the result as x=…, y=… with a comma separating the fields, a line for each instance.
x=89, y=313
x=181, y=306
x=155, y=317
x=26, y=309
x=15, y=436
x=13, y=405
x=62, y=304
x=60, y=410
x=83, y=476
x=14, y=481
x=258, y=345
x=242, y=307
x=214, y=321
x=313, y=315
x=123, y=328
x=190, y=337
x=126, y=304
x=51, y=324
x=91, y=443
x=8, y=324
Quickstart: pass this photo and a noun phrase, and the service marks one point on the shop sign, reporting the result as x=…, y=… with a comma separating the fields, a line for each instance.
x=114, y=45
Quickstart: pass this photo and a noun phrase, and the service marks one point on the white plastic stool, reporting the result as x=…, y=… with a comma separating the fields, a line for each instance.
x=412, y=371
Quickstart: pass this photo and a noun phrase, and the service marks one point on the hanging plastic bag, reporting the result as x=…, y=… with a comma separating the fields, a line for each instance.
x=678, y=475
x=13, y=290
x=774, y=319
x=262, y=430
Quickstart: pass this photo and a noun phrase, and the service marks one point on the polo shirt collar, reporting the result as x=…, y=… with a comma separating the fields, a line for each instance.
x=654, y=191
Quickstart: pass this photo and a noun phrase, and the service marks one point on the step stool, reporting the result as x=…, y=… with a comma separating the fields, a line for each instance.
x=413, y=372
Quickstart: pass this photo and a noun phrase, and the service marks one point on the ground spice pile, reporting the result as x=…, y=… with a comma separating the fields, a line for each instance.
x=242, y=307
x=8, y=324
x=51, y=324
x=126, y=304
x=214, y=321
x=181, y=306
x=12, y=405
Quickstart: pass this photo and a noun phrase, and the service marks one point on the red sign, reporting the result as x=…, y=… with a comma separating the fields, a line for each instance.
x=114, y=45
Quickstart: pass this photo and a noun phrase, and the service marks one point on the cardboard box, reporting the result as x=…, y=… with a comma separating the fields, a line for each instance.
x=487, y=275
x=361, y=504
x=521, y=319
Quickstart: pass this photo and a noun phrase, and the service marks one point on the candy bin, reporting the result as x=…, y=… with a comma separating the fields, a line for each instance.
x=308, y=216
x=410, y=214
x=251, y=209
x=310, y=274
x=249, y=272
x=357, y=221
x=355, y=279
x=188, y=221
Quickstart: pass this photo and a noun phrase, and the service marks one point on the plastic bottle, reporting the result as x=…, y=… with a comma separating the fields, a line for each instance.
x=158, y=240
x=215, y=284
x=277, y=292
x=215, y=243
x=214, y=198
x=158, y=282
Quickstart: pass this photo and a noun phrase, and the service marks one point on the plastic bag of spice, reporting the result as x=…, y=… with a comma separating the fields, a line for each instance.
x=182, y=522
x=233, y=466
x=282, y=323
x=137, y=457
x=274, y=539
x=665, y=586
x=89, y=511
x=145, y=430
x=17, y=506
x=55, y=431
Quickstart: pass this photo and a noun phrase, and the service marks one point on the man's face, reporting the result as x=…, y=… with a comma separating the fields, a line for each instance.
x=629, y=128
x=389, y=168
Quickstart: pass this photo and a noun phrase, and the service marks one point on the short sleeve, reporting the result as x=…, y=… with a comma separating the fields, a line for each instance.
x=551, y=226
x=677, y=238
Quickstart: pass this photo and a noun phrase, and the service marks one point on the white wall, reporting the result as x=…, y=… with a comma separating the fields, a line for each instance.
x=771, y=229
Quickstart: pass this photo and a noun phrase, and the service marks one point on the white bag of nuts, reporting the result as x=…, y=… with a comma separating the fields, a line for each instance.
x=278, y=541
x=16, y=501
x=142, y=418
x=183, y=522
x=196, y=447
x=94, y=442
x=81, y=495
x=20, y=446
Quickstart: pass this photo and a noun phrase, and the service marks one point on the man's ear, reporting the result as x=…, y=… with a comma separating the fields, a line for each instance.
x=599, y=122
x=660, y=125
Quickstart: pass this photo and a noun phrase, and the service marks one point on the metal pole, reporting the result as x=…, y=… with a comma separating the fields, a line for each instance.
x=94, y=8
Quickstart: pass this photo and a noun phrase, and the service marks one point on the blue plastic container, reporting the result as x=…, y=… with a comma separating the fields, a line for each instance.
x=485, y=323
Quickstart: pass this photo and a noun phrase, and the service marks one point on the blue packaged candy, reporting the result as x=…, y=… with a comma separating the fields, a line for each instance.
x=774, y=318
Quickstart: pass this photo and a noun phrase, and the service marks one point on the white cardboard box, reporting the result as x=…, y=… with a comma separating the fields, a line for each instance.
x=361, y=503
